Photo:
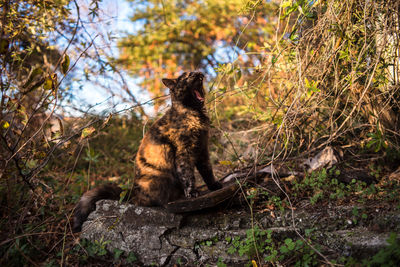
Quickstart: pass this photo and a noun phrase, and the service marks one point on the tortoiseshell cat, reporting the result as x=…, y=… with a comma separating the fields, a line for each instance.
x=174, y=145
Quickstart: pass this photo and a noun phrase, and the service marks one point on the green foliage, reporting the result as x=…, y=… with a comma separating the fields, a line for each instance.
x=97, y=248
x=388, y=256
x=255, y=242
x=88, y=252
x=117, y=253
x=91, y=156
x=115, y=145
x=221, y=263
x=358, y=215
x=377, y=142
x=131, y=258
x=323, y=185
x=259, y=243
x=13, y=252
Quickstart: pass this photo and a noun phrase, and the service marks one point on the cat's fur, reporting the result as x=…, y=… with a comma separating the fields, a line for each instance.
x=173, y=146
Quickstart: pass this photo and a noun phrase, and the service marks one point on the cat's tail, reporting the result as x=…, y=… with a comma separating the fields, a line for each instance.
x=87, y=203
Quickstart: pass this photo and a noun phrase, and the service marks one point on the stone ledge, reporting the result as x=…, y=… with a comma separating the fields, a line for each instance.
x=158, y=237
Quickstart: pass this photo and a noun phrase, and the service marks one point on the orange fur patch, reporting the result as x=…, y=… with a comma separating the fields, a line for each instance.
x=144, y=184
x=156, y=155
x=146, y=169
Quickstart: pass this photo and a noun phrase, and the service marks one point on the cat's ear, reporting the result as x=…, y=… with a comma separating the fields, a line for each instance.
x=170, y=83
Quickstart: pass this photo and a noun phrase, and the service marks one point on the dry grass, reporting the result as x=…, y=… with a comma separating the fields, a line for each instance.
x=330, y=77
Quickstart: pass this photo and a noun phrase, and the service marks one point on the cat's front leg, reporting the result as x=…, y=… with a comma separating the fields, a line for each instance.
x=204, y=167
x=185, y=171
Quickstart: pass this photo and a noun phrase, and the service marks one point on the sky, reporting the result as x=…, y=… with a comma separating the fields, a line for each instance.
x=112, y=23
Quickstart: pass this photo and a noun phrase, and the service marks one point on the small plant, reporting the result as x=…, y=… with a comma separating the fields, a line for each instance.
x=377, y=141
x=220, y=263
x=209, y=242
x=96, y=248
x=117, y=253
x=91, y=156
x=87, y=252
x=131, y=257
x=260, y=243
x=324, y=185
x=254, y=243
x=388, y=256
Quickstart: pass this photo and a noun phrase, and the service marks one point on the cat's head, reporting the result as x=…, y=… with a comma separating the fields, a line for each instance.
x=187, y=89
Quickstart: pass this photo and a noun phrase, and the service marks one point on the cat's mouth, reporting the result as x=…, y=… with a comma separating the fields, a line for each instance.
x=198, y=95
x=199, y=91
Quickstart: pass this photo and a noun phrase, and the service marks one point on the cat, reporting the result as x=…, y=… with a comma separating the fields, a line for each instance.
x=172, y=148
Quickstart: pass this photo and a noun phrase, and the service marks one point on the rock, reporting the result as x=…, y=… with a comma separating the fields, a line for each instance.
x=131, y=228
x=158, y=237
x=325, y=158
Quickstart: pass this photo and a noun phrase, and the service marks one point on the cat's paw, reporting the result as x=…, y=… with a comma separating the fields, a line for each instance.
x=191, y=193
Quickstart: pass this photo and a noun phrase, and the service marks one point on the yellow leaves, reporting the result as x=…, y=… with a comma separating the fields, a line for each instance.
x=266, y=46
x=51, y=83
x=37, y=78
x=32, y=163
x=87, y=131
x=48, y=84
x=4, y=124
x=252, y=191
x=107, y=120
x=32, y=30
x=286, y=3
x=65, y=64
x=311, y=86
x=225, y=162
